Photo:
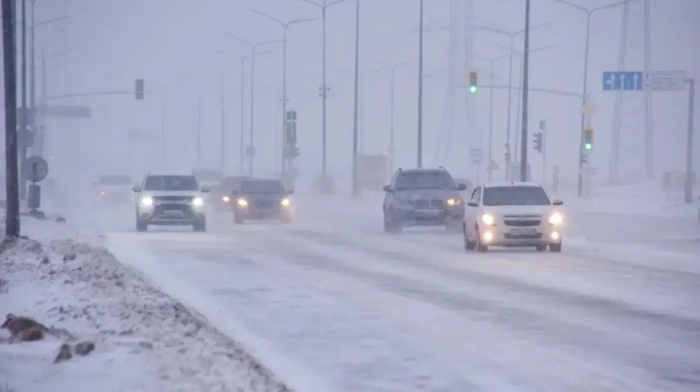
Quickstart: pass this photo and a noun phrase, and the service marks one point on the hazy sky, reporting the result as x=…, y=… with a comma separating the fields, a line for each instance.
x=172, y=43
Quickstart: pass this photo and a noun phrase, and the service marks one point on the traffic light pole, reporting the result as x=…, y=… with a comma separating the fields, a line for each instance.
x=526, y=67
x=420, y=90
x=689, y=144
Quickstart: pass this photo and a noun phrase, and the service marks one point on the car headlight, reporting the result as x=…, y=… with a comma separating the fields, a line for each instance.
x=197, y=202
x=488, y=219
x=285, y=202
x=226, y=199
x=102, y=193
x=454, y=202
x=556, y=219
x=242, y=202
x=146, y=201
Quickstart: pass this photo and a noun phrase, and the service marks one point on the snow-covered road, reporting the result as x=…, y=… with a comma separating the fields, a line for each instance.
x=330, y=303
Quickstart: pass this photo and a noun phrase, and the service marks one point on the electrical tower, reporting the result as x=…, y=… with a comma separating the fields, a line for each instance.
x=459, y=129
x=632, y=153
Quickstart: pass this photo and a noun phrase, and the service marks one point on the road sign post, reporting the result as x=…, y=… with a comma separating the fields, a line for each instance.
x=476, y=155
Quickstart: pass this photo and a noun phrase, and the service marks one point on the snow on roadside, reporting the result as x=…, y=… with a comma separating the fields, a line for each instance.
x=145, y=340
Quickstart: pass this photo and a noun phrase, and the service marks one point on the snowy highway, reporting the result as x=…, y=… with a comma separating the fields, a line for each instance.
x=331, y=303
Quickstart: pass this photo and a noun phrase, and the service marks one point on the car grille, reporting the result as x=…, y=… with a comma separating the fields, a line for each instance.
x=522, y=223
x=426, y=204
x=536, y=236
x=172, y=199
x=174, y=212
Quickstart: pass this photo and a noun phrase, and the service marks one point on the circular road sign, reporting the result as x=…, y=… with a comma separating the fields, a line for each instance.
x=34, y=169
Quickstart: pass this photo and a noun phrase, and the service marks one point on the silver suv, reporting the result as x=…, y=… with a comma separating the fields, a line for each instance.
x=170, y=200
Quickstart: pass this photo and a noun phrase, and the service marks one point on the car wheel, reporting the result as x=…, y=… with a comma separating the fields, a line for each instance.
x=468, y=245
x=480, y=247
x=541, y=248
x=555, y=248
x=200, y=226
x=141, y=225
x=391, y=226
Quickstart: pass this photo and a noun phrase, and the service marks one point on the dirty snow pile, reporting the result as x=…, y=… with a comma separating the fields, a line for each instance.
x=143, y=339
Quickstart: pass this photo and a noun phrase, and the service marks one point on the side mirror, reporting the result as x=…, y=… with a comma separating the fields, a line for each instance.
x=472, y=204
x=290, y=192
x=461, y=187
x=234, y=192
x=387, y=188
x=136, y=188
x=557, y=202
x=205, y=190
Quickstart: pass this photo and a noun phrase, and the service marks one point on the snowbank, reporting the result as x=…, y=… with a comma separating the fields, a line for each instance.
x=145, y=340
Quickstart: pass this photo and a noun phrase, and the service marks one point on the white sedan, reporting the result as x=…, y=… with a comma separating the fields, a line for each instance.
x=513, y=214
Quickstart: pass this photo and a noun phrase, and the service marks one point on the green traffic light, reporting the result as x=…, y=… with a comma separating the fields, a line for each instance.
x=472, y=89
x=588, y=146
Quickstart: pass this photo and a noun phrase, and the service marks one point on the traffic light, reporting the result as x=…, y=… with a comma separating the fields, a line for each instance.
x=537, y=141
x=473, y=82
x=588, y=139
x=139, y=89
x=291, y=152
x=290, y=128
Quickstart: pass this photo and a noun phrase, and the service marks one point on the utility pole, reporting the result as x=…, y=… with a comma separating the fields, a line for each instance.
x=324, y=89
x=420, y=89
x=526, y=58
x=689, y=144
x=355, y=185
x=162, y=130
x=23, y=120
x=199, y=123
x=223, y=125
x=12, y=225
x=391, y=124
x=490, y=172
x=32, y=79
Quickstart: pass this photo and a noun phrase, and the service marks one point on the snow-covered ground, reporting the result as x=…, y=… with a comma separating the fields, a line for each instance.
x=145, y=340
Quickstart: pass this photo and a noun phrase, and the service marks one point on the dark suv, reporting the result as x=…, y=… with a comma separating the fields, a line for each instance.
x=423, y=197
x=260, y=199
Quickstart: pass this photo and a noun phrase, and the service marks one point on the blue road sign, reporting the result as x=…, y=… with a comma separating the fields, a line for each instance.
x=476, y=156
x=623, y=81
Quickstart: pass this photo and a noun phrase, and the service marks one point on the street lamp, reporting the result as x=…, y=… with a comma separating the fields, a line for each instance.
x=420, y=90
x=324, y=91
x=285, y=26
x=511, y=36
x=392, y=149
x=589, y=13
x=253, y=54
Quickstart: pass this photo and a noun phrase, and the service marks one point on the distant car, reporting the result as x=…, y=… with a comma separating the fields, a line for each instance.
x=208, y=178
x=222, y=197
x=422, y=197
x=170, y=200
x=113, y=188
x=513, y=214
x=261, y=199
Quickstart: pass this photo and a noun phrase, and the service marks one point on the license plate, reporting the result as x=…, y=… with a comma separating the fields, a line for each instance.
x=172, y=213
x=523, y=231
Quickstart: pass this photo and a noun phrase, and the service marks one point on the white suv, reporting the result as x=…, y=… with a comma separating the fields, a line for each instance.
x=170, y=200
x=513, y=214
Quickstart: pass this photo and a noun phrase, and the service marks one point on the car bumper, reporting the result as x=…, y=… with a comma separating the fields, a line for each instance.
x=254, y=212
x=517, y=237
x=164, y=215
x=433, y=217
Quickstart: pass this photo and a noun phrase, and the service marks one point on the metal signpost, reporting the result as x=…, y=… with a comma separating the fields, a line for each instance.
x=660, y=81
x=476, y=155
x=34, y=169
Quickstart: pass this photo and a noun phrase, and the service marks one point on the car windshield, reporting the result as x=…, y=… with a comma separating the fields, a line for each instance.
x=170, y=183
x=424, y=180
x=207, y=175
x=262, y=187
x=515, y=196
x=114, y=180
x=231, y=183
